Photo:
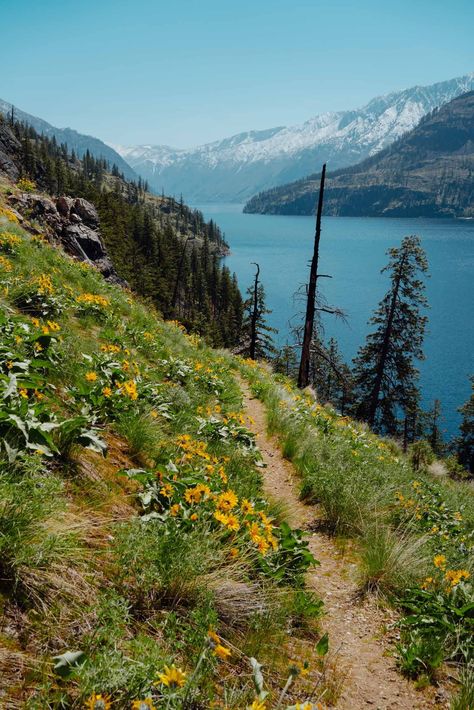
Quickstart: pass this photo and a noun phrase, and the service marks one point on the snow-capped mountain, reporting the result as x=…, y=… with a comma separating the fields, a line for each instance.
x=236, y=168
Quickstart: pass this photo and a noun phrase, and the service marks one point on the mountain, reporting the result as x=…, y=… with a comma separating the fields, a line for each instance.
x=429, y=172
x=236, y=168
x=78, y=142
x=163, y=249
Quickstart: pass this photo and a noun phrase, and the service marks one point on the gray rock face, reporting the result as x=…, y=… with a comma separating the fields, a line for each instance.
x=74, y=224
x=9, y=149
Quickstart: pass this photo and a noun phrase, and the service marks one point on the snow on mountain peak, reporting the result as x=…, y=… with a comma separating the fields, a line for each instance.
x=238, y=166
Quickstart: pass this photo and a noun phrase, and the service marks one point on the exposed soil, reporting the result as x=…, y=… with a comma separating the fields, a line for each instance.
x=357, y=627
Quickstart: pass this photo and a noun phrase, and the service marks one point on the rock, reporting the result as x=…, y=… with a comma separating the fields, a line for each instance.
x=64, y=205
x=10, y=151
x=74, y=224
x=86, y=211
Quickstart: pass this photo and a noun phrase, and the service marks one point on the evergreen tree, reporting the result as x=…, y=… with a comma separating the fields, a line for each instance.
x=465, y=442
x=434, y=434
x=330, y=376
x=384, y=373
x=286, y=361
x=257, y=338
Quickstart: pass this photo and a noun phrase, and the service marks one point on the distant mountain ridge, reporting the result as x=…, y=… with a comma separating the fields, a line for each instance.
x=78, y=142
x=238, y=167
x=429, y=172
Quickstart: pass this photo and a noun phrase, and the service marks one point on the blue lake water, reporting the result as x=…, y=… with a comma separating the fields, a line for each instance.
x=353, y=250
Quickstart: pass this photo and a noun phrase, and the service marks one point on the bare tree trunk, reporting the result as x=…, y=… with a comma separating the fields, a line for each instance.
x=253, y=322
x=303, y=374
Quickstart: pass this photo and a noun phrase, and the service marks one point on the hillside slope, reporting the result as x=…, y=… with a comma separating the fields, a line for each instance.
x=165, y=250
x=141, y=562
x=235, y=168
x=77, y=142
x=429, y=172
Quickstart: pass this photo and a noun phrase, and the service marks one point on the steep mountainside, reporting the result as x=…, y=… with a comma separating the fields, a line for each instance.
x=236, y=168
x=429, y=172
x=77, y=142
x=164, y=250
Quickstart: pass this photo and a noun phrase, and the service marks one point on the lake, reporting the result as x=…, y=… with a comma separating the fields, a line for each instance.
x=353, y=250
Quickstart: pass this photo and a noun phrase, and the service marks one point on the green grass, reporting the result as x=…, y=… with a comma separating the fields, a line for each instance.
x=88, y=564
x=402, y=521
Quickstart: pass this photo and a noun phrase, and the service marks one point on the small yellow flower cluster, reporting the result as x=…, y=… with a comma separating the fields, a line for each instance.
x=46, y=328
x=11, y=216
x=454, y=576
x=45, y=285
x=9, y=242
x=93, y=299
x=26, y=185
x=129, y=389
x=5, y=264
x=110, y=348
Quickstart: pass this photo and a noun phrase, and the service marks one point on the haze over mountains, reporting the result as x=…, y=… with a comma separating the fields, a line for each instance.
x=429, y=172
x=236, y=168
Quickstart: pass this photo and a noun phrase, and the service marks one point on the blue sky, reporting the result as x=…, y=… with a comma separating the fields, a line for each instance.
x=184, y=72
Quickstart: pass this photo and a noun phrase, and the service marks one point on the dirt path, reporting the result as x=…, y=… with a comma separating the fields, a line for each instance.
x=355, y=627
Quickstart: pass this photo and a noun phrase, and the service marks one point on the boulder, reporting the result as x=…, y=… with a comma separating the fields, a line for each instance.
x=74, y=224
x=86, y=211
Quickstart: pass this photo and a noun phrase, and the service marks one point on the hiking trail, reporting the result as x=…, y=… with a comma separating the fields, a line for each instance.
x=356, y=626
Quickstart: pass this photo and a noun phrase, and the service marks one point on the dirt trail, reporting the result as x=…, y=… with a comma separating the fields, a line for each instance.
x=355, y=627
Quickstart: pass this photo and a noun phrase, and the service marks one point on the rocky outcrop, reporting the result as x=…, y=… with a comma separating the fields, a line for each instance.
x=71, y=222
x=10, y=149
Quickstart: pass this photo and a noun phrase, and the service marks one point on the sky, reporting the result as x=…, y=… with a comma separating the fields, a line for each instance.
x=186, y=72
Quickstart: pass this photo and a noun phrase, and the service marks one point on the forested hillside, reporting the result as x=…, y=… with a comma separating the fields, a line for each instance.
x=429, y=172
x=162, y=248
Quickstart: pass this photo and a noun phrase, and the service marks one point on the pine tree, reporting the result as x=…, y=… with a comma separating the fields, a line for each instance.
x=384, y=373
x=257, y=338
x=465, y=442
x=286, y=361
x=434, y=435
x=330, y=375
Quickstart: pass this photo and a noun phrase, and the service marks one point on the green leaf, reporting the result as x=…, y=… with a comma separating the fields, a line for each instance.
x=66, y=662
x=322, y=647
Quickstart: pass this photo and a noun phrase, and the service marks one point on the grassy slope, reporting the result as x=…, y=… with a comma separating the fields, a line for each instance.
x=132, y=569
x=130, y=558
x=415, y=533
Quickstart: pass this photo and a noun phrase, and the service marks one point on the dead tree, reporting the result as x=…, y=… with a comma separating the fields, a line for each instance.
x=254, y=318
x=303, y=374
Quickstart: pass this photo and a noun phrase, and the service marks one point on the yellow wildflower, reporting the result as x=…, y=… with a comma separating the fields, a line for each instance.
x=130, y=389
x=227, y=500
x=247, y=507
x=439, y=561
x=167, y=490
x=257, y=705
x=145, y=704
x=174, y=510
x=222, y=652
x=106, y=391
x=454, y=576
x=172, y=677
x=97, y=701
x=91, y=376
